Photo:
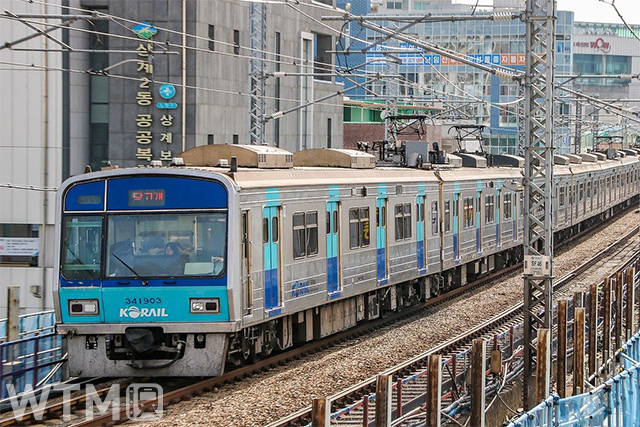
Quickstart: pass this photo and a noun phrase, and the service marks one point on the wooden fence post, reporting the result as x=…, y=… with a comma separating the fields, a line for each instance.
x=619, y=308
x=478, y=366
x=383, y=401
x=543, y=365
x=631, y=303
x=593, y=332
x=561, y=374
x=578, y=352
x=434, y=388
x=321, y=413
x=606, y=321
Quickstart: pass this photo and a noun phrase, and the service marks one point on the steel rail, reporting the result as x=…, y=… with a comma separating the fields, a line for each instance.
x=358, y=390
x=296, y=353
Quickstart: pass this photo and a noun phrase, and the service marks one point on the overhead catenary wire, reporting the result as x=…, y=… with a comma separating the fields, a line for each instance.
x=115, y=19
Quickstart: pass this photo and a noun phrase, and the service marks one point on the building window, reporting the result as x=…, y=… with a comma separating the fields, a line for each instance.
x=19, y=244
x=235, y=139
x=359, y=227
x=99, y=95
x=210, y=139
x=468, y=212
x=212, y=32
x=420, y=5
x=508, y=204
x=329, y=131
x=403, y=221
x=322, y=58
x=305, y=234
x=276, y=101
x=489, y=209
x=397, y=5
x=236, y=42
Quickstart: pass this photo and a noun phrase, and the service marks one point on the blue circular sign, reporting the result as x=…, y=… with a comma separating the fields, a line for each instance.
x=167, y=91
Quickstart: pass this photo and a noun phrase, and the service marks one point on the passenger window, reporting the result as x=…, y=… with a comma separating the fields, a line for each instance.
x=508, y=206
x=265, y=230
x=434, y=218
x=274, y=229
x=328, y=227
x=359, y=227
x=447, y=216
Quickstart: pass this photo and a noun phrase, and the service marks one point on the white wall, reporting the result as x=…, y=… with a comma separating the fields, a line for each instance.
x=31, y=117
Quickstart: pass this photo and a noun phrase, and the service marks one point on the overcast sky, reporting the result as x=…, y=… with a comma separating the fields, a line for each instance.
x=593, y=10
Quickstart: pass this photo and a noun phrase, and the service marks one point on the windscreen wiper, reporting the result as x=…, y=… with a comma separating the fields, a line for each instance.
x=137, y=276
x=86, y=268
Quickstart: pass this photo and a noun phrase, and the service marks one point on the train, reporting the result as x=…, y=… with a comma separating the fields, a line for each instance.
x=235, y=251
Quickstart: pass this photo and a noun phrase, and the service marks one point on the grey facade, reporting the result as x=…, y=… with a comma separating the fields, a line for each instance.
x=215, y=104
x=64, y=110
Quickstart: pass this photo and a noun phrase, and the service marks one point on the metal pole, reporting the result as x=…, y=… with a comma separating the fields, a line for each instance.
x=257, y=75
x=538, y=180
x=561, y=365
x=478, y=354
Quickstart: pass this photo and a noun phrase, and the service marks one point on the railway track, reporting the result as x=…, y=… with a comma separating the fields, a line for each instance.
x=174, y=394
x=350, y=406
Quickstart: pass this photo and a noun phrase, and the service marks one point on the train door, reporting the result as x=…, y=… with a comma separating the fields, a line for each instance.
x=456, y=227
x=382, y=243
x=420, y=234
x=333, y=249
x=247, y=283
x=271, y=251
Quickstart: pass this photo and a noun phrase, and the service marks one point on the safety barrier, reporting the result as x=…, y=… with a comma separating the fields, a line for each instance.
x=34, y=359
x=30, y=324
x=614, y=403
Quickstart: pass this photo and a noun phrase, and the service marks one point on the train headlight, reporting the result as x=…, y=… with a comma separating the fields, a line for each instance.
x=83, y=307
x=204, y=305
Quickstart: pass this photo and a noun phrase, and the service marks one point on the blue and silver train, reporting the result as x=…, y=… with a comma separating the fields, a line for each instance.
x=185, y=270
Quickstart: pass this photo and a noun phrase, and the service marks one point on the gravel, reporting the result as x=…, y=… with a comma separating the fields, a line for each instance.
x=269, y=396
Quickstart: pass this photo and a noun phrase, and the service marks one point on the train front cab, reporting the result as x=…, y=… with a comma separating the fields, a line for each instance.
x=142, y=283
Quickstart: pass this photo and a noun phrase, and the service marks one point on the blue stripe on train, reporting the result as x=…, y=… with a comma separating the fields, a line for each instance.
x=381, y=259
x=420, y=250
x=332, y=274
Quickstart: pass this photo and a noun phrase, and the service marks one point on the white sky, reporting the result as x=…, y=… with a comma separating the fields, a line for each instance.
x=593, y=10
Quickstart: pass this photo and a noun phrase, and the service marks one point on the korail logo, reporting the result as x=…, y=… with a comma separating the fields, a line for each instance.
x=134, y=312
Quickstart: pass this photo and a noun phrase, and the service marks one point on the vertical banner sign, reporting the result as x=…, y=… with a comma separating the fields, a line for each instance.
x=144, y=96
x=157, y=119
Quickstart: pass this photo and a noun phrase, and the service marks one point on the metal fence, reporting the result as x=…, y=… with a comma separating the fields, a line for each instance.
x=614, y=403
x=33, y=360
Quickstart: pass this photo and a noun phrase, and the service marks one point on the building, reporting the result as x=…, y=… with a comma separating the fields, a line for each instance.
x=600, y=50
x=128, y=82
x=467, y=94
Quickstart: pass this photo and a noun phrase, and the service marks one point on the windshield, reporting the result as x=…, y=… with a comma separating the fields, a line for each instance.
x=81, y=248
x=166, y=245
